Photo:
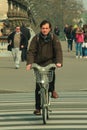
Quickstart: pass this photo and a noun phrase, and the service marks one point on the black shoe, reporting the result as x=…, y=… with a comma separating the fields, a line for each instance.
x=22, y=60
x=37, y=112
x=16, y=67
x=54, y=94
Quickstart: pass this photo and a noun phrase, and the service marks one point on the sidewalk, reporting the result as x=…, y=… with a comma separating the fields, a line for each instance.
x=71, y=77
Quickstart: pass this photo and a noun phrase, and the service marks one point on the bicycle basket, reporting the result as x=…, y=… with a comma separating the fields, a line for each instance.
x=45, y=76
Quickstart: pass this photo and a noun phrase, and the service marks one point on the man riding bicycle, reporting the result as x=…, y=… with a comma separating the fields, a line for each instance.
x=45, y=48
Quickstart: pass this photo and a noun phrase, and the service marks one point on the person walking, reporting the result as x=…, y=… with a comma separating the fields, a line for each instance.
x=69, y=37
x=44, y=50
x=27, y=34
x=65, y=31
x=57, y=30
x=79, y=41
x=84, y=45
x=17, y=41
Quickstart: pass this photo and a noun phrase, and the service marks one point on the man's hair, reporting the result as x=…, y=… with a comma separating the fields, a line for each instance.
x=45, y=22
x=17, y=26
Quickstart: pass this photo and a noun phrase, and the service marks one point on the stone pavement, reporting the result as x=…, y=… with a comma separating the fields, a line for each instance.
x=71, y=77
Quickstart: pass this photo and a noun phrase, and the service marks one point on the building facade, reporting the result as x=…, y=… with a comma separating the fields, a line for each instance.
x=17, y=12
x=14, y=12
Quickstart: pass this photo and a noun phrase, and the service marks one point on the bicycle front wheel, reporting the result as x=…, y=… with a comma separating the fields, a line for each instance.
x=44, y=106
x=48, y=102
x=45, y=115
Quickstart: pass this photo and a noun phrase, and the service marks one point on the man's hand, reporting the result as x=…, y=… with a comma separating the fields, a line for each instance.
x=28, y=67
x=58, y=65
x=22, y=46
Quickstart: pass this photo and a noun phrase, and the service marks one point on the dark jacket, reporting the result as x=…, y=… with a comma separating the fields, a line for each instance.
x=57, y=31
x=44, y=52
x=26, y=32
x=22, y=40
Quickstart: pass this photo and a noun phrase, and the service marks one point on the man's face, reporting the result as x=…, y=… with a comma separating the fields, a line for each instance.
x=45, y=29
x=17, y=29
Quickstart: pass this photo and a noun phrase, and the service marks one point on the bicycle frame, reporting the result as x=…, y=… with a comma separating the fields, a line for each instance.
x=44, y=75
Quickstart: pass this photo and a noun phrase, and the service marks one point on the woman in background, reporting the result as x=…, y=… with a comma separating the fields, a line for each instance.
x=79, y=41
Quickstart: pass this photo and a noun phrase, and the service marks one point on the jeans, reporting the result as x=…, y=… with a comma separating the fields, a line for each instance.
x=78, y=49
x=70, y=42
x=24, y=54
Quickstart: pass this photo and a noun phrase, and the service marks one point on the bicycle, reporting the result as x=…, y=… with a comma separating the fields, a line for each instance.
x=43, y=76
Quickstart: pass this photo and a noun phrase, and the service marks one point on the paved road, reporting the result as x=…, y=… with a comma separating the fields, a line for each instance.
x=69, y=112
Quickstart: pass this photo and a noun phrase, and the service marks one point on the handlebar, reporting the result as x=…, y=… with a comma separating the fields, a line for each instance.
x=46, y=68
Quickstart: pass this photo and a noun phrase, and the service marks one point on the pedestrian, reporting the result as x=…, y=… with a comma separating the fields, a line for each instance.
x=79, y=41
x=57, y=30
x=74, y=32
x=18, y=41
x=84, y=45
x=27, y=34
x=45, y=51
x=69, y=37
x=65, y=31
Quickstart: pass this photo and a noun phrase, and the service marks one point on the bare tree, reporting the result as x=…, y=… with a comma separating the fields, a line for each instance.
x=59, y=12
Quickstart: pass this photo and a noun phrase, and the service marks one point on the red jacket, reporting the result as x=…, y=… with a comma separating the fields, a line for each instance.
x=79, y=37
